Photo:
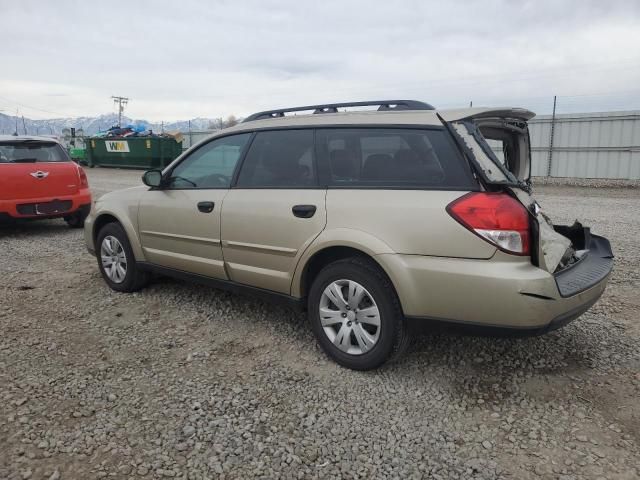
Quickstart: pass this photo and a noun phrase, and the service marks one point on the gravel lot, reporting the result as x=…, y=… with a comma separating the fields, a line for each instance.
x=189, y=382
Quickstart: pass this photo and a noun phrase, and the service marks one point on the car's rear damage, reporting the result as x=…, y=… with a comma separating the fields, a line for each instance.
x=572, y=263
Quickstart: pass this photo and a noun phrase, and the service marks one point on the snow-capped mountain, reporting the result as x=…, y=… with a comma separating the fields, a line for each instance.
x=92, y=125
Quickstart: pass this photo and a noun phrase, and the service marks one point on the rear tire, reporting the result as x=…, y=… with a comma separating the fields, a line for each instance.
x=116, y=261
x=365, y=326
x=75, y=220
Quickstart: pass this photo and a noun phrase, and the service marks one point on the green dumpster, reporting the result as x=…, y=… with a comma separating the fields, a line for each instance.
x=132, y=152
x=77, y=154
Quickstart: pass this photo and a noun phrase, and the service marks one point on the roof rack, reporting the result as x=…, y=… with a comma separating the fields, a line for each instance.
x=383, y=106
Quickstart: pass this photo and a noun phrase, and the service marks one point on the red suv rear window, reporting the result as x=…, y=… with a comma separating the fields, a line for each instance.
x=31, y=152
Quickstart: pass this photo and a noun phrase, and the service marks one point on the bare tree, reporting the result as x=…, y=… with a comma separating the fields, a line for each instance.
x=230, y=121
x=219, y=123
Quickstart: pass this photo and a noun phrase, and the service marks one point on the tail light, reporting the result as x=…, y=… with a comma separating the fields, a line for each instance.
x=84, y=183
x=496, y=217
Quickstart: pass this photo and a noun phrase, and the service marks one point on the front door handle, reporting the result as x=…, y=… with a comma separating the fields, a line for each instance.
x=206, y=207
x=304, y=211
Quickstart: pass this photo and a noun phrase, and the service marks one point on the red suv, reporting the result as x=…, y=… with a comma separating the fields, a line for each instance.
x=38, y=179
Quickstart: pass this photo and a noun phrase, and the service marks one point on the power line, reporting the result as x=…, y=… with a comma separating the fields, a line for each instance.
x=121, y=101
x=12, y=102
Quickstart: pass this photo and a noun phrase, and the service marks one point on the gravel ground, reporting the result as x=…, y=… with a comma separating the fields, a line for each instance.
x=607, y=183
x=189, y=382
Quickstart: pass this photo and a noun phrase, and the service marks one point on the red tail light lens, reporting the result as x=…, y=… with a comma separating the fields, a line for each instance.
x=84, y=183
x=496, y=217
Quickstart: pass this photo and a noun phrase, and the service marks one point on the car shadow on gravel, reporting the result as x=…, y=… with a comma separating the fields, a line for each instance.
x=459, y=361
x=26, y=228
x=559, y=350
x=487, y=365
x=220, y=305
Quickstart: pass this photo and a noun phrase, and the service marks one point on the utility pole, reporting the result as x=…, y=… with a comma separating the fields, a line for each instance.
x=551, y=134
x=121, y=101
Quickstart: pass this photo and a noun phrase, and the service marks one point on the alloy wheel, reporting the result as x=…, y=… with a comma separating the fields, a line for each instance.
x=114, y=260
x=350, y=317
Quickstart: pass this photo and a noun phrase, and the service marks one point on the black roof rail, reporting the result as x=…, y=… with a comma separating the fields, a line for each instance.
x=383, y=105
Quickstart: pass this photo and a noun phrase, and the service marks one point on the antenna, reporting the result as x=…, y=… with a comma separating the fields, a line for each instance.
x=121, y=101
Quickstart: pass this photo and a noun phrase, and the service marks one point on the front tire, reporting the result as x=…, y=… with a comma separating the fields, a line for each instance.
x=356, y=315
x=116, y=261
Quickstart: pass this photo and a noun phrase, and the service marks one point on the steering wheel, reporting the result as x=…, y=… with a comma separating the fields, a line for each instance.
x=223, y=180
x=183, y=179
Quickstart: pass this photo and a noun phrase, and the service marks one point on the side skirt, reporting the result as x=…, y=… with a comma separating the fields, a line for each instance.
x=297, y=304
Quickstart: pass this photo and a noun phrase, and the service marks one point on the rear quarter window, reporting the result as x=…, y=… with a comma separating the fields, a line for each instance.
x=392, y=157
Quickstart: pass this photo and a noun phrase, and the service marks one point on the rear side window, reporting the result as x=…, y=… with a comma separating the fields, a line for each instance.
x=389, y=157
x=32, y=152
x=279, y=158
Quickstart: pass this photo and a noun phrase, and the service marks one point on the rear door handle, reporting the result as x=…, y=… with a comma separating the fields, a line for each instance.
x=304, y=211
x=206, y=207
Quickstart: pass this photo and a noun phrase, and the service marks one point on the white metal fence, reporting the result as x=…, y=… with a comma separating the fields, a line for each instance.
x=584, y=145
x=191, y=138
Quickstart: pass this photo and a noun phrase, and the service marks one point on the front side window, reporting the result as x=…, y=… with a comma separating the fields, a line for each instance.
x=31, y=152
x=279, y=158
x=390, y=157
x=210, y=166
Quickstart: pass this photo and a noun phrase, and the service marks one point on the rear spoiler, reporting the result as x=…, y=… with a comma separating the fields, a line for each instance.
x=471, y=113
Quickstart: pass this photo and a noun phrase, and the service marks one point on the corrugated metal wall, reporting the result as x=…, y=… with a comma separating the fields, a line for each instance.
x=191, y=138
x=587, y=145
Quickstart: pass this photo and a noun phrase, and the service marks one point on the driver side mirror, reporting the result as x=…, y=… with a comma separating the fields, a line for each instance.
x=152, y=178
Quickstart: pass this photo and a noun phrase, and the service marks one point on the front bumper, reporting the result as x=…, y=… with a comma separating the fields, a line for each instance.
x=504, y=293
x=88, y=233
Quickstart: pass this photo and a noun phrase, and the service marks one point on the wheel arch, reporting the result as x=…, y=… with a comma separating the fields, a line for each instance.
x=100, y=222
x=326, y=251
x=104, y=218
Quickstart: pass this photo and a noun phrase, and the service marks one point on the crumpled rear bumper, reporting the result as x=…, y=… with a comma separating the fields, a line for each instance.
x=505, y=294
x=594, y=266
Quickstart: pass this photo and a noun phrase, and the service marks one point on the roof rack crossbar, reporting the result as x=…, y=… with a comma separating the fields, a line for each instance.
x=383, y=106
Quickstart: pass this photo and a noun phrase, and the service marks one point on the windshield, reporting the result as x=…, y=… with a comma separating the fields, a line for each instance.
x=31, y=152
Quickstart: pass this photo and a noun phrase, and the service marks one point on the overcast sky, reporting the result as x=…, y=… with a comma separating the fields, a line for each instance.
x=183, y=59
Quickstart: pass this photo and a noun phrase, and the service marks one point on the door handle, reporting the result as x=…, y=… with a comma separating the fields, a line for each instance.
x=206, y=207
x=304, y=211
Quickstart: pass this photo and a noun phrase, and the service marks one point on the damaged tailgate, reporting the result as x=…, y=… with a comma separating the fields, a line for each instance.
x=577, y=259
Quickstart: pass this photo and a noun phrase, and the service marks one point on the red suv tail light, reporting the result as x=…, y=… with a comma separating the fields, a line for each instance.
x=495, y=217
x=84, y=183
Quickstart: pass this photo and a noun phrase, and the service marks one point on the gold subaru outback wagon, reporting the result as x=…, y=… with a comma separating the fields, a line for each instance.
x=370, y=220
